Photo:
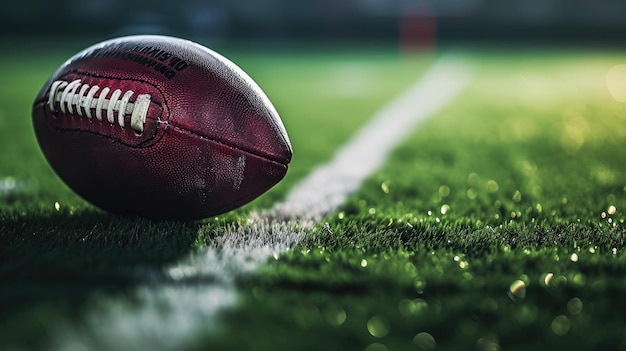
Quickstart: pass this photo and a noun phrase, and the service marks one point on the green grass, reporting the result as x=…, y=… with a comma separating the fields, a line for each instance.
x=54, y=261
x=525, y=165
x=511, y=184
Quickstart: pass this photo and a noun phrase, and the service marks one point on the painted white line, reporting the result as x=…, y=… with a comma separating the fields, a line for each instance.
x=185, y=298
x=327, y=188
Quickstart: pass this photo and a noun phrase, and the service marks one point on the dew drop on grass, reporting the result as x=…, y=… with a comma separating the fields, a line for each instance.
x=574, y=257
x=517, y=290
x=517, y=196
x=610, y=198
x=445, y=208
x=612, y=209
x=57, y=206
x=488, y=343
x=560, y=325
x=384, y=187
x=424, y=341
x=472, y=194
x=548, y=278
x=529, y=167
x=444, y=190
x=559, y=281
x=575, y=306
x=372, y=210
x=335, y=316
x=419, y=284
x=408, y=307
x=378, y=326
x=579, y=279
x=420, y=306
x=473, y=178
x=410, y=269
x=363, y=263
x=492, y=186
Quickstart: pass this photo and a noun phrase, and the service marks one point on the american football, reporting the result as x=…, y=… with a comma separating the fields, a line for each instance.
x=444, y=175
x=160, y=127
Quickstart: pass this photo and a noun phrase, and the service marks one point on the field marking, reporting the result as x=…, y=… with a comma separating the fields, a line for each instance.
x=185, y=298
x=327, y=188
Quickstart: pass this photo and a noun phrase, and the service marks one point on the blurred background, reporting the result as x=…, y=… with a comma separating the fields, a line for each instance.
x=408, y=22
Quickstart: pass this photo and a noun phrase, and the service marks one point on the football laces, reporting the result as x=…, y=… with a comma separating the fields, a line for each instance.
x=75, y=98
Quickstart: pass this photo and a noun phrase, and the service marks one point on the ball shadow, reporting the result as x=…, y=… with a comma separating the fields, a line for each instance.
x=56, y=260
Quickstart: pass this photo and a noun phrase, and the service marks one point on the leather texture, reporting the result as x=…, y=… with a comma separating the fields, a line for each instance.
x=212, y=140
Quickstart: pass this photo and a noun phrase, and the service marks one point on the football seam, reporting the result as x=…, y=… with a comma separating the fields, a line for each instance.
x=265, y=157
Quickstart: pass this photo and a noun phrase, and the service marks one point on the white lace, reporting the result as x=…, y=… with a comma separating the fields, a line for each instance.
x=66, y=95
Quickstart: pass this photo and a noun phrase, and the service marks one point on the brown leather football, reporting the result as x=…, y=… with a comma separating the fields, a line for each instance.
x=160, y=127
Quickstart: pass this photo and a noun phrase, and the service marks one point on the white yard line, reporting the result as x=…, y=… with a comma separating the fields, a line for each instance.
x=324, y=190
x=185, y=298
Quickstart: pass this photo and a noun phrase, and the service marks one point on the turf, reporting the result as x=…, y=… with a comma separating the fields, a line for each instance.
x=497, y=225
x=57, y=252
